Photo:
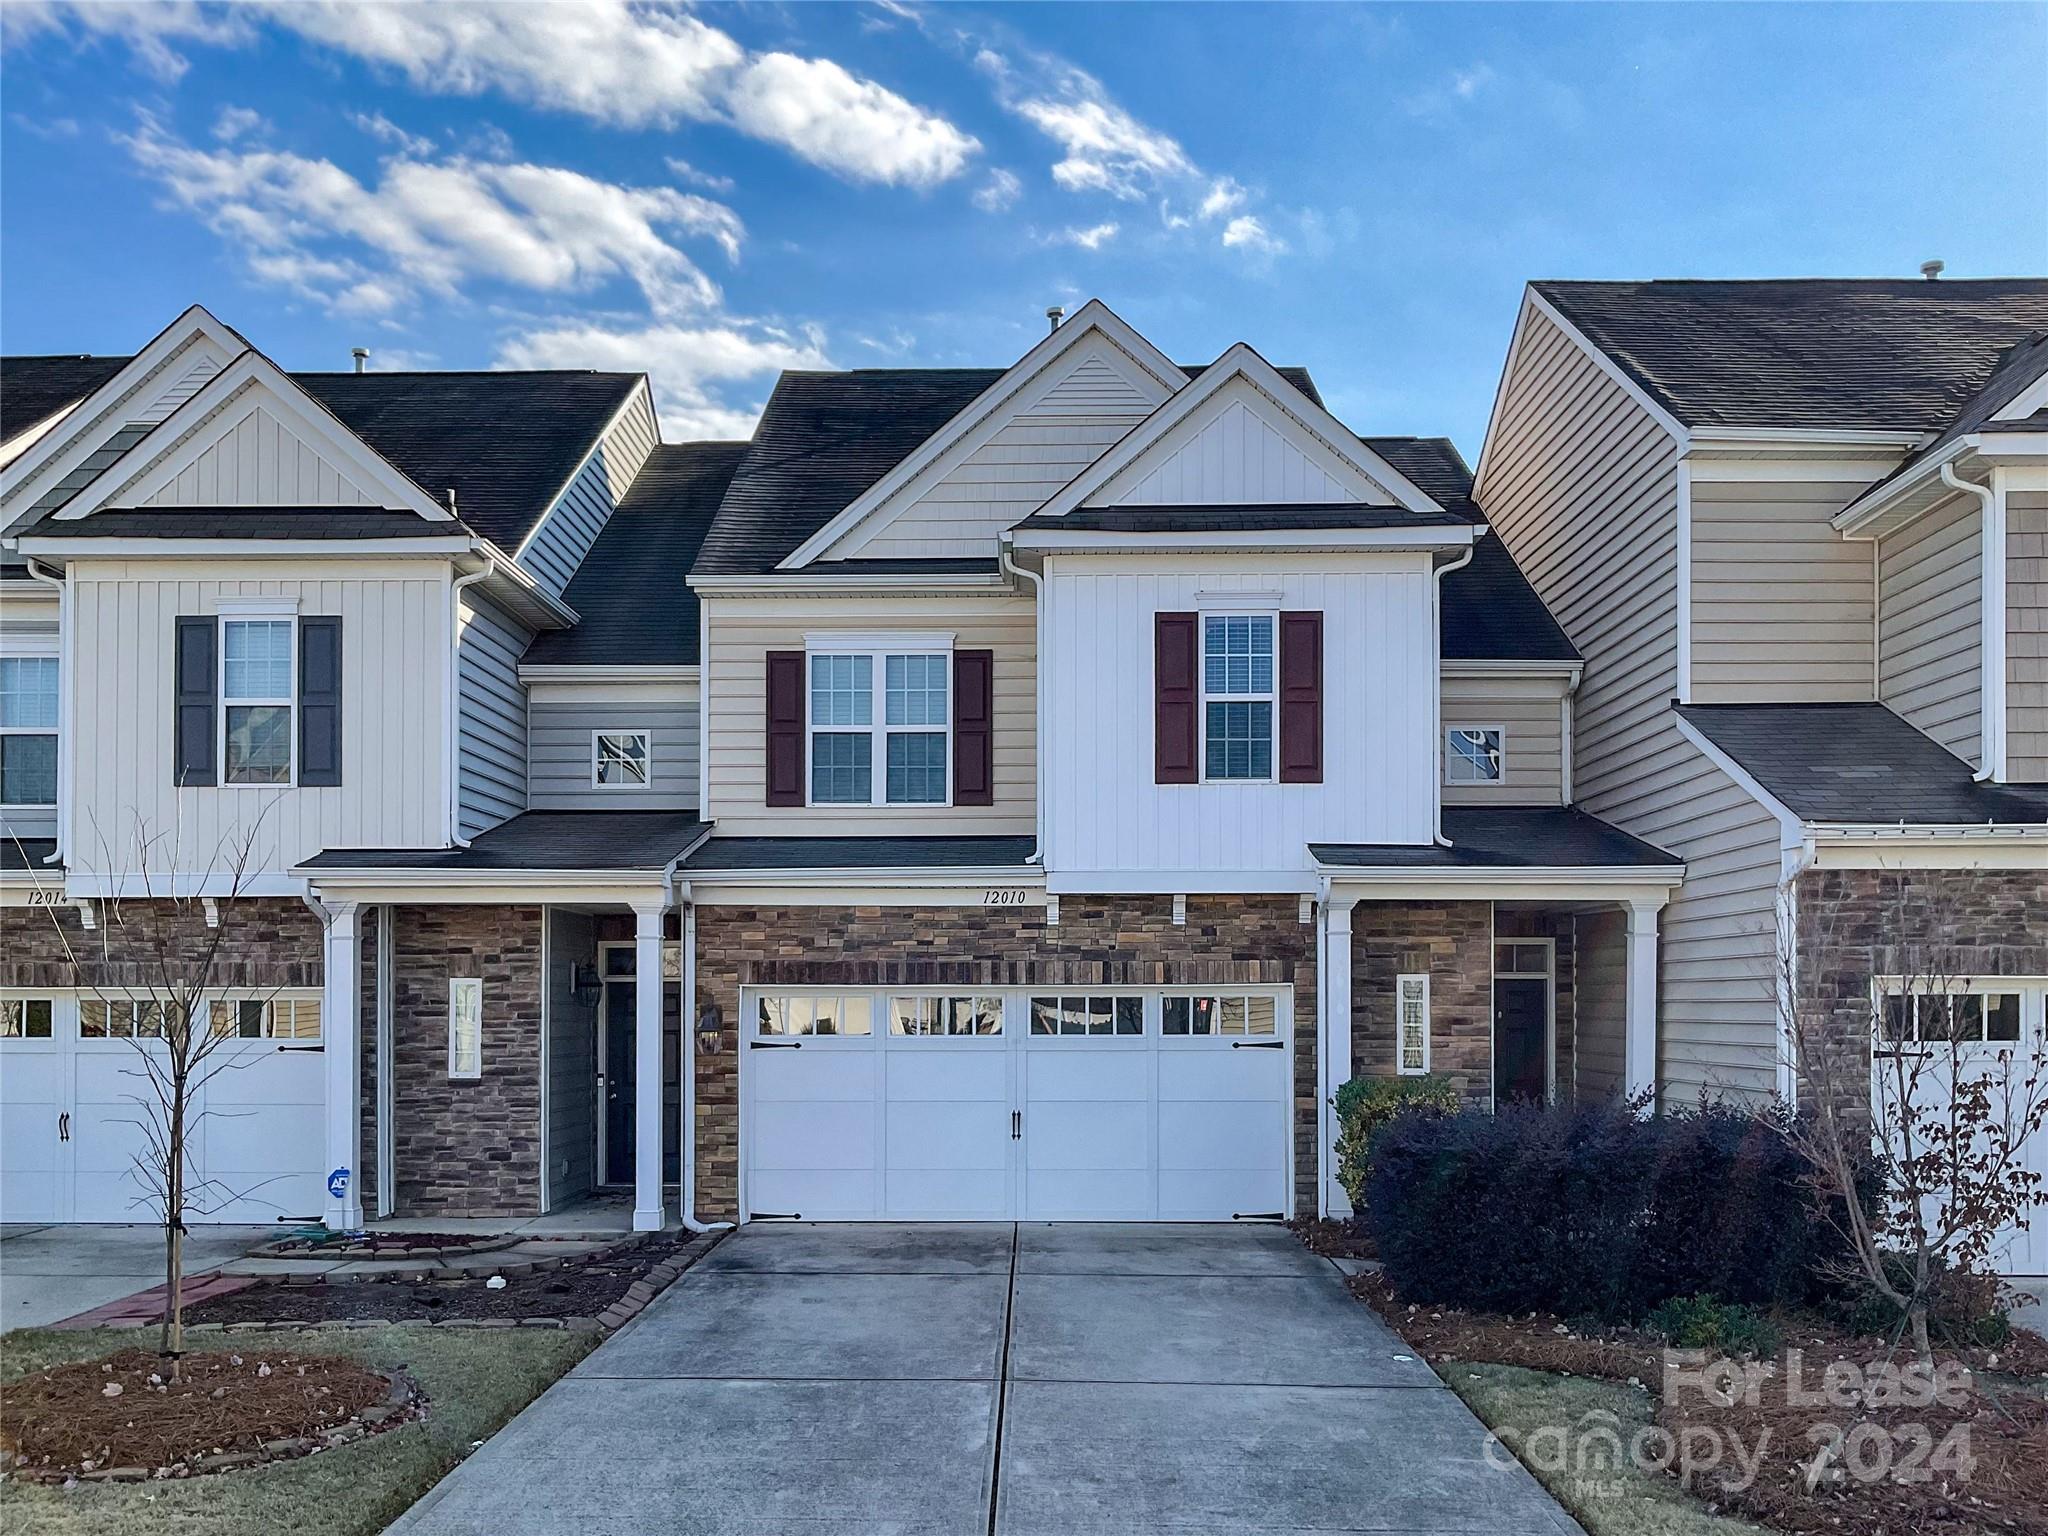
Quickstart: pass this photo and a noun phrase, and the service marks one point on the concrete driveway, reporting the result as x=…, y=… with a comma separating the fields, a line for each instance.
x=50, y=1273
x=977, y=1379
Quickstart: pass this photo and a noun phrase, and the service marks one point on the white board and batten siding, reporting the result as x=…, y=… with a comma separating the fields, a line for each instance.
x=1057, y=428
x=742, y=631
x=1930, y=624
x=1529, y=714
x=1231, y=452
x=259, y=461
x=395, y=631
x=561, y=728
x=490, y=745
x=1107, y=820
x=2026, y=637
x=565, y=532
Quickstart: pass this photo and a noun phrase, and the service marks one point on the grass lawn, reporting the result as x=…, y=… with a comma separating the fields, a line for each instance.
x=474, y=1379
x=1624, y=1502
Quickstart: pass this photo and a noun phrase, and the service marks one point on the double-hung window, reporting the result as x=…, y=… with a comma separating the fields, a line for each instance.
x=28, y=730
x=1237, y=696
x=257, y=680
x=895, y=751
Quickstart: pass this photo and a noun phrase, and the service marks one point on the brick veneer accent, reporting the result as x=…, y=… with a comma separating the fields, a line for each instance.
x=1121, y=941
x=466, y=1148
x=1451, y=941
x=271, y=942
x=1853, y=924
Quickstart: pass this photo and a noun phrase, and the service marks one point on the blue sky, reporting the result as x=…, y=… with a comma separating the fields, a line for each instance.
x=714, y=192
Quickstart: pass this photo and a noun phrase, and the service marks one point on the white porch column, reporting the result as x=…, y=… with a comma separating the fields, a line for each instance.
x=1335, y=1034
x=647, y=1086
x=342, y=1056
x=1640, y=1053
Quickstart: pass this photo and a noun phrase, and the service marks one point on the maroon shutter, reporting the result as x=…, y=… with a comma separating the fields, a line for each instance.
x=1301, y=698
x=1176, y=696
x=785, y=727
x=974, y=733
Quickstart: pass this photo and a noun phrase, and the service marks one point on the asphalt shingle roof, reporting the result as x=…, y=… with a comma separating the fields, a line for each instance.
x=785, y=853
x=1812, y=352
x=636, y=609
x=32, y=388
x=2017, y=369
x=1509, y=837
x=1859, y=764
x=543, y=840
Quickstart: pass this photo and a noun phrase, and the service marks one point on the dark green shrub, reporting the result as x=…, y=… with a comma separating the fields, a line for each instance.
x=1701, y=1322
x=1964, y=1307
x=1366, y=1105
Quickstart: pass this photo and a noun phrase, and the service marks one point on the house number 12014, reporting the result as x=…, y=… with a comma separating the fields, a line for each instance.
x=1002, y=898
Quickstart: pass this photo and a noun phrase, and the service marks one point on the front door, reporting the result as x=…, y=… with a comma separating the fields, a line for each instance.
x=620, y=999
x=1521, y=1007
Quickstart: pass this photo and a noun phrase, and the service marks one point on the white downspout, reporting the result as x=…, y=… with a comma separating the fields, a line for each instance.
x=689, y=1022
x=452, y=724
x=1324, y=1117
x=1436, y=683
x=64, y=721
x=1991, y=639
x=1038, y=752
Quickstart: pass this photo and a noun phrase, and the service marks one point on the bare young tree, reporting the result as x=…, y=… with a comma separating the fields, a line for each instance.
x=152, y=969
x=1918, y=1093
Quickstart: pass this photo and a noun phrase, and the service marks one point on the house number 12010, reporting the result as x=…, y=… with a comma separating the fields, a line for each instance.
x=1000, y=898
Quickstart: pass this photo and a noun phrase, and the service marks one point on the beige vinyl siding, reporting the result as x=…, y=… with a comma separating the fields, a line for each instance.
x=1529, y=713
x=394, y=628
x=1600, y=1046
x=559, y=747
x=743, y=630
x=1582, y=485
x=563, y=536
x=1930, y=617
x=2026, y=637
x=1781, y=602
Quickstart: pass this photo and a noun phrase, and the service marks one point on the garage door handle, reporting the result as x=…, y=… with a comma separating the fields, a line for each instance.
x=283, y=1048
x=64, y=1126
x=1256, y=1045
x=1016, y=1125
x=776, y=1045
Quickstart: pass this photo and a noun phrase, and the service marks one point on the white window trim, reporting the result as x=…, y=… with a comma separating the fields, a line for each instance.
x=37, y=648
x=646, y=758
x=249, y=614
x=1270, y=698
x=2032, y=992
x=878, y=648
x=1509, y=941
x=1451, y=759
x=1401, y=984
x=455, y=983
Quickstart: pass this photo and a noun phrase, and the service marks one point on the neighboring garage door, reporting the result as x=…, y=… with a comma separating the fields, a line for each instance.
x=1109, y=1106
x=76, y=1107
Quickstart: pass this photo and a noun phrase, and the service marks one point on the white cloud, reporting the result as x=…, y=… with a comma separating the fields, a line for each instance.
x=1093, y=238
x=1246, y=232
x=433, y=225
x=999, y=192
x=1467, y=83
x=153, y=30
x=629, y=65
x=684, y=363
x=380, y=127
x=1224, y=196
x=238, y=122
x=689, y=175
x=1104, y=148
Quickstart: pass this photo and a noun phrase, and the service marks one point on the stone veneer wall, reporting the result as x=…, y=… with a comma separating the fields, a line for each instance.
x=1450, y=941
x=1854, y=922
x=270, y=942
x=1120, y=941
x=466, y=1148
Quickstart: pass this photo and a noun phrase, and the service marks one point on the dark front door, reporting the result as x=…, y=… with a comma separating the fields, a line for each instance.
x=1520, y=1009
x=618, y=1081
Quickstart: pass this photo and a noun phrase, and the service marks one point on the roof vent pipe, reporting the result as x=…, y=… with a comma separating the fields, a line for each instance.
x=362, y=357
x=1932, y=269
x=1054, y=315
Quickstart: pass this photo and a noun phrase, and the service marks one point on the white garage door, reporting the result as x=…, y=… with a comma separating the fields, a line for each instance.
x=76, y=1108
x=1109, y=1106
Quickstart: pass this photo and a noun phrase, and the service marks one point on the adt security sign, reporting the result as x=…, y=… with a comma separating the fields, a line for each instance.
x=337, y=1184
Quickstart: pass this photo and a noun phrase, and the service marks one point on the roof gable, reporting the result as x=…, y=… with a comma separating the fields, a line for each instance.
x=1239, y=435
x=1095, y=360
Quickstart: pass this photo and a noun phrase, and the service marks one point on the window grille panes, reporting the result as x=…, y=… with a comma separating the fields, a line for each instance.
x=803, y=1015
x=466, y=1027
x=1238, y=654
x=1086, y=1015
x=622, y=758
x=1240, y=741
x=25, y=1018
x=28, y=770
x=917, y=768
x=28, y=692
x=257, y=659
x=1229, y=1015
x=841, y=769
x=120, y=1019
x=916, y=690
x=842, y=691
x=1412, y=1018
x=1969, y=1018
x=28, y=707
x=1473, y=757
x=946, y=1016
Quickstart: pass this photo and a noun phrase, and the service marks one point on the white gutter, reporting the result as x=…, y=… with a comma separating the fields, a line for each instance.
x=688, y=1132
x=1991, y=622
x=1006, y=557
x=1436, y=683
x=451, y=724
x=64, y=722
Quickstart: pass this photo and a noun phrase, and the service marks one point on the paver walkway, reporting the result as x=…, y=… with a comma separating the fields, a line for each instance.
x=1025, y=1380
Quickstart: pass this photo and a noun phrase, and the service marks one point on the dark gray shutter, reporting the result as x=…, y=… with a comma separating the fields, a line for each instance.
x=1176, y=700
x=1301, y=698
x=196, y=696
x=974, y=728
x=320, y=702
x=786, y=683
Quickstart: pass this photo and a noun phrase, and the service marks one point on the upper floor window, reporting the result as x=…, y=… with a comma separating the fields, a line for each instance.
x=1473, y=756
x=28, y=730
x=620, y=759
x=909, y=736
x=256, y=700
x=1237, y=696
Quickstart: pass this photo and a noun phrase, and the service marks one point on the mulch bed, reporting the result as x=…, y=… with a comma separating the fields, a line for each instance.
x=123, y=1419
x=578, y=1288
x=387, y=1245
x=2005, y=1413
x=1329, y=1239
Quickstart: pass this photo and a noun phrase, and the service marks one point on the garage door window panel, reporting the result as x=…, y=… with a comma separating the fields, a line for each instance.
x=120, y=1019
x=27, y=1018
x=813, y=1016
x=1087, y=1015
x=951, y=1016
x=1226, y=1015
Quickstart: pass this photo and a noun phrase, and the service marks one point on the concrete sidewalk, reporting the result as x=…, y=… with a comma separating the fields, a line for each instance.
x=1033, y=1380
x=50, y=1273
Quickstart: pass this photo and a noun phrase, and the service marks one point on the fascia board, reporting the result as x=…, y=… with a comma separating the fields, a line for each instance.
x=79, y=548
x=1053, y=541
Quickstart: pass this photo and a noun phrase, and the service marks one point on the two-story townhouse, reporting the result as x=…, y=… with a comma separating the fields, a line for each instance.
x=1796, y=529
